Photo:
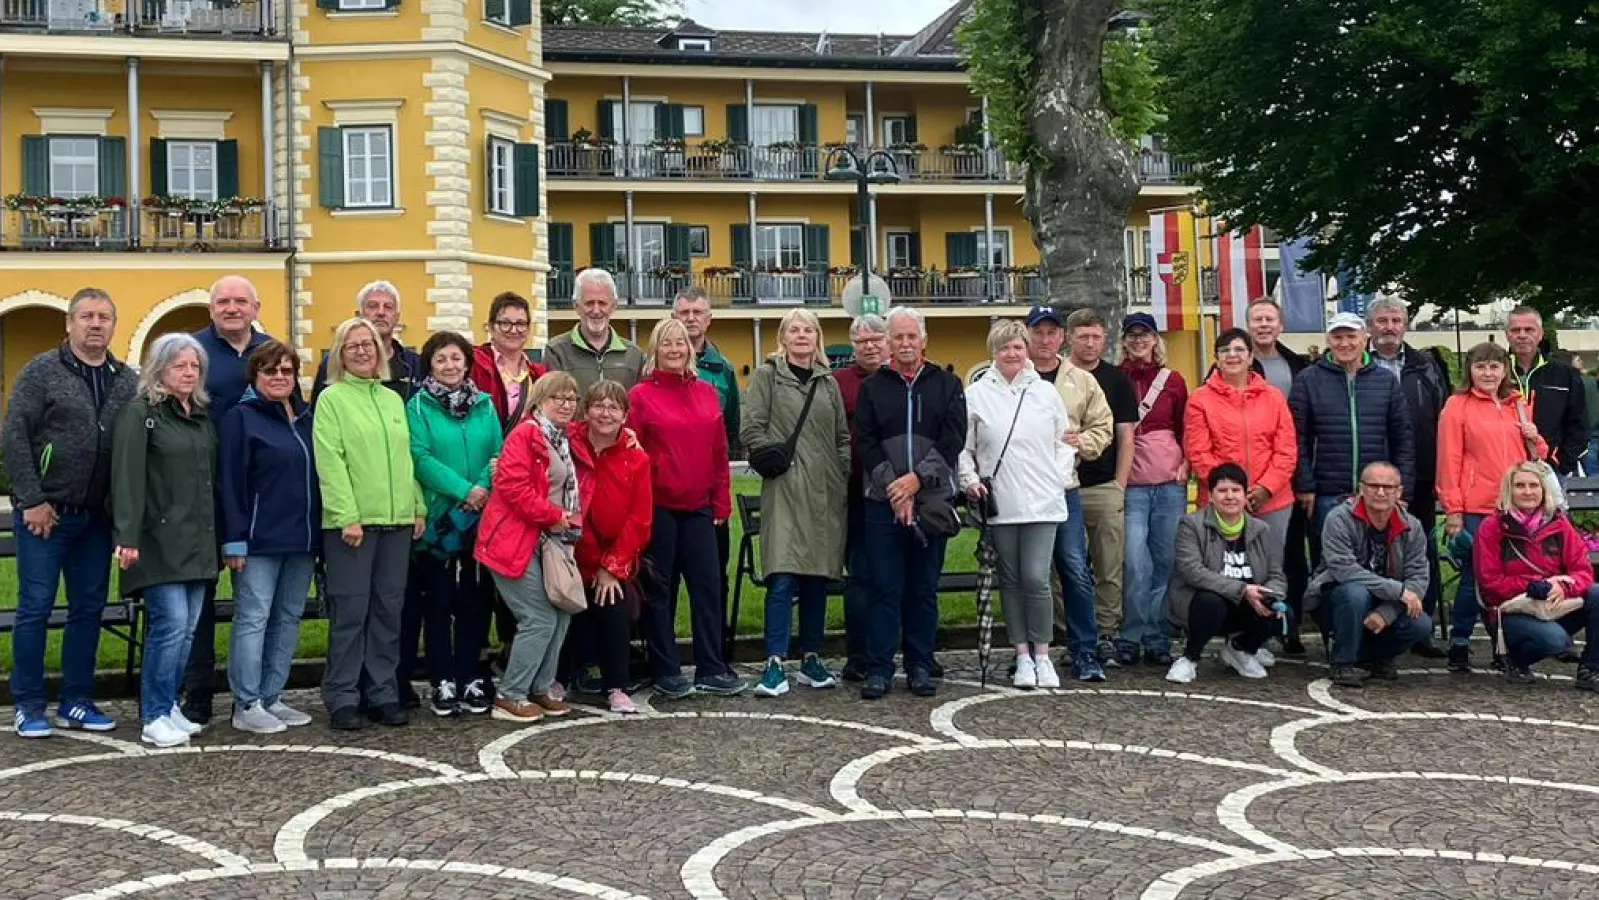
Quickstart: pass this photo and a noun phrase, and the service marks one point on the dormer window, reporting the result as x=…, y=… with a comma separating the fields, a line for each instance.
x=702, y=45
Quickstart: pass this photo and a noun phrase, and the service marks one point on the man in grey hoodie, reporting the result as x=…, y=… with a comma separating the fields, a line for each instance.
x=1368, y=592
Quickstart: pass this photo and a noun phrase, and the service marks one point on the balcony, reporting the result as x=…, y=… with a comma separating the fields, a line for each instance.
x=1160, y=167
x=732, y=287
x=163, y=227
x=242, y=19
x=723, y=161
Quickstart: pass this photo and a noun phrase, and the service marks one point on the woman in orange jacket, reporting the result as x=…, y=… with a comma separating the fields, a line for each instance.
x=1485, y=429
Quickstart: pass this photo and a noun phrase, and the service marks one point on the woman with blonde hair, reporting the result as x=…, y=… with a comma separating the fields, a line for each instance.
x=372, y=509
x=678, y=420
x=799, y=441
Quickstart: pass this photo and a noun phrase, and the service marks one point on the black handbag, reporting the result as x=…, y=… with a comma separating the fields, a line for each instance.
x=772, y=461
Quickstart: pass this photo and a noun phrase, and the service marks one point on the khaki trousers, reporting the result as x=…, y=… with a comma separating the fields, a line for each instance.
x=1104, y=508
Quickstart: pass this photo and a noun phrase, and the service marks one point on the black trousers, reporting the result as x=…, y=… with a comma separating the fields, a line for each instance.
x=1211, y=614
x=1296, y=560
x=1425, y=508
x=683, y=543
x=604, y=632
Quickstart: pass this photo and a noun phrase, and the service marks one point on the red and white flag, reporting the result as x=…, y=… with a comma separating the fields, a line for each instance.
x=1241, y=260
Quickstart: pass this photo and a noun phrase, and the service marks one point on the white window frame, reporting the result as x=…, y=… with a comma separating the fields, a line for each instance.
x=363, y=6
x=502, y=176
x=370, y=183
x=896, y=260
x=763, y=119
x=694, y=44
x=645, y=249
x=698, y=129
x=59, y=155
x=854, y=130
x=175, y=149
x=1002, y=241
x=902, y=121
x=771, y=246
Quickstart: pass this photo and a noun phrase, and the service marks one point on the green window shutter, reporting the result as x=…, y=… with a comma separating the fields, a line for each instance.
x=227, y=169
x=910, y=129
x=327, y=4
x=742, y=257
x=857, y=247
x=677, y=245
x=556, y=125
x=916, y=248
x=602, y=245
x=738, y=123
x=114, y=167
x=525, y=179
x=807, y=124
x=158, y=167
x=330, y=167
x=560, y=241
x=675, y=121
x=521, y=13
x=603, y=125
x=817, y=247
x=960, y=249
x=36, y=165
x=494, y=10
x=663, y=121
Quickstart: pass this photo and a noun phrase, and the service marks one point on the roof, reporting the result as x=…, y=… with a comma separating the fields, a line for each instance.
x=937, y=38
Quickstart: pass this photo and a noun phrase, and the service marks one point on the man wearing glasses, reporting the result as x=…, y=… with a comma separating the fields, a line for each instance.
x=869, y=336
x=1368, y=591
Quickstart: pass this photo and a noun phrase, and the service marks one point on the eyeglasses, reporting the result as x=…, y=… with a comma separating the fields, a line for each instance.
x=1381, y=488
x=1233, y=350
x=510, y=326
x=280, y=370
x=609, y=409
x=564, y=401
x=362, y=348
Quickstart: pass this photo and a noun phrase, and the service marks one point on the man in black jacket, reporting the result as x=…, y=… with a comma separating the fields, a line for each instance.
x=1279, y=365
x=1555, y=390
x=910, y=426
x=379, y=303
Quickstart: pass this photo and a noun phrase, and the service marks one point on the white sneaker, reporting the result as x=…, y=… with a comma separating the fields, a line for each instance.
x=164, y=733
x=288, y=715
x=1047, y=676
x=1265, y=657
x=1182, y=671
x=182, y=723
x=254, y=719
x=1026, y=673
x=1243, y=663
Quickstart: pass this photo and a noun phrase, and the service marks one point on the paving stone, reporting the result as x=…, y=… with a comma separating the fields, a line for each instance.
x=1386, y=878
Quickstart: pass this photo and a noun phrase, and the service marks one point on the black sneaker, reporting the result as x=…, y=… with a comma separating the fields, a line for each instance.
x=1106, y=651
x=921, y=683
x=875, y=688
x=1587, y=679
x=1159, y=657
x=346, y=718
x=1348, y=676
x=197, y=709
x=409, y=697
x=674, y=687
x=391, y=714
x=444, y=703
x=1519, y=674
x=725, y=685
x=936, y=669
x=1498, y=663
x=1294, y=648
x=1459, y=658
x=1428, y=650
x=475, y=699
x=1383, y=671
x=1127, y=654
x=853, y=671
x=589, y=681
x=1568, y=657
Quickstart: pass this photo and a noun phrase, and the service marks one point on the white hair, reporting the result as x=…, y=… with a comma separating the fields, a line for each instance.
x=870, y=322
x=592, y=276
x=909, y=312
x=1386, y=304
x=163, y=352
x=376, y=287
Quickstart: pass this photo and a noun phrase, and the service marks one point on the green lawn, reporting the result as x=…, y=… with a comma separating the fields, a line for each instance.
x=954, y=609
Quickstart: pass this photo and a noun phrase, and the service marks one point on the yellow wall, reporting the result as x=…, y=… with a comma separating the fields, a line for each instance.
x=334, y=285
x=403, y=23
x=25, y=334
x=497, y=92
x=584, y=94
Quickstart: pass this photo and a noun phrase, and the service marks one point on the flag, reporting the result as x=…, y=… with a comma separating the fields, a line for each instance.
x=1348, y=299
x=1173, y=270
x=1303, y=295
x=1241, y=279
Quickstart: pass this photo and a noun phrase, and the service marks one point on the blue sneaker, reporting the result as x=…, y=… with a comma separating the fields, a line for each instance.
x=814, y=673
x=674, y=687
x=1086, y=667
x=774, y=681
x=85, y=715
x=31, y=723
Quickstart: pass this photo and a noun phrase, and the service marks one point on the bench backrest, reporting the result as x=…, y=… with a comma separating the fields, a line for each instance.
x=1582, y=494
x=8, y=545
x=749, y=514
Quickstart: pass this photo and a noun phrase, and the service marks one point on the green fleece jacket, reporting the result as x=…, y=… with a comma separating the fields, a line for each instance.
x=452, y=455
x=363, y=456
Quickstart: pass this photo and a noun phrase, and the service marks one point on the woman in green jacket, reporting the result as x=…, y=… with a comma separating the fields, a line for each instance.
x=163, y=463
x=371, y=511
x=455, y=437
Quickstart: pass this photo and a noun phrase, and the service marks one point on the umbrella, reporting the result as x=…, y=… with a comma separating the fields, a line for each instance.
x=987, y=580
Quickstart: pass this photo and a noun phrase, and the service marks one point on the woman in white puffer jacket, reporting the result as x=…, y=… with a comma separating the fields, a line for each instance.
x=1016, y=446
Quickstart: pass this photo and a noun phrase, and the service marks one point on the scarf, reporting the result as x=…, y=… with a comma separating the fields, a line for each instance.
x=1531, y=520
x=556, y=436
x=1230, y=532
x=457, y=401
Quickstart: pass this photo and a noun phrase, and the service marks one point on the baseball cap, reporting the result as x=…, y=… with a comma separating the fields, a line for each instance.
x=1345, y=320
x=1139, y=320
x=1043, y=312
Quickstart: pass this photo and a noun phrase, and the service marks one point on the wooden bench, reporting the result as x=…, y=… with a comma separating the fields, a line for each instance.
x=749, y=569
x=119, y=618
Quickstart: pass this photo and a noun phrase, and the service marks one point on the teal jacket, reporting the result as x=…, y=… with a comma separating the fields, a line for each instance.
x=363, y=456
x=451, y=455
x=716, y=371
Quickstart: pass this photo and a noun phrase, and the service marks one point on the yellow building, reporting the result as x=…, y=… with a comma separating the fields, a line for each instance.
x=149, y=148
x=711, y=150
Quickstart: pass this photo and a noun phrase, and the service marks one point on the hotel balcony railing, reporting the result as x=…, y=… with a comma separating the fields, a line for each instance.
x=719, y=161
x=157, y=231
x=1159, y=167
x=729, y=287
x=243, y=19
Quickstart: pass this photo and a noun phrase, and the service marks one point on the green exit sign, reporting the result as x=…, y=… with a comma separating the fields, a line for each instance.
x=871, y=306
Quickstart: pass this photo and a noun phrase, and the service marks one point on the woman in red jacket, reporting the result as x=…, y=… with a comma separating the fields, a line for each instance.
x=534, y=498
x=1528, y=546
x=503, y=367
x=1482, y=433
x=678, y=419
x=613, y=481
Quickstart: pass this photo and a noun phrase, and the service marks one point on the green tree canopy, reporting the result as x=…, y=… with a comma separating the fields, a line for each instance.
x=1448, y=148
x=625, y=13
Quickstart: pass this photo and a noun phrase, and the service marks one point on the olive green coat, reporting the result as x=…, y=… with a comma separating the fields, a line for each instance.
x=802, y=510
x=163, y=493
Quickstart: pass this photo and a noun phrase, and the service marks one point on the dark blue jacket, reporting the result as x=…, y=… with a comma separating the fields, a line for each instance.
x=1344, y=426
x=271, y=503
x=224, y=374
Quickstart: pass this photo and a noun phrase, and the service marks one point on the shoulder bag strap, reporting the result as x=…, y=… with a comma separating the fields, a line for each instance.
x=1517, y=550
x=1020, y=402
x=805, y=411
x=1153, y=394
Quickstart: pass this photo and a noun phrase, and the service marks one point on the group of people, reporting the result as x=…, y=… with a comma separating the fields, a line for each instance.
x=568, y=495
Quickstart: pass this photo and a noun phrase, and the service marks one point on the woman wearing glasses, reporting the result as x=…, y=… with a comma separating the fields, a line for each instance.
x=271, y=505
x=371, y=511
x=503, y=367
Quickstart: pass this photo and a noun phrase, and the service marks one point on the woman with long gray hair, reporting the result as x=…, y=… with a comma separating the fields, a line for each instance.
x=163, y=464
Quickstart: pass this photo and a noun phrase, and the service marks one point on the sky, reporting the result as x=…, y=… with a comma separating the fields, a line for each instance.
x=837, y=16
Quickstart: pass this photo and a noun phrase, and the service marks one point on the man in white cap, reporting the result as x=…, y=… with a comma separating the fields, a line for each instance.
x=1349, y=412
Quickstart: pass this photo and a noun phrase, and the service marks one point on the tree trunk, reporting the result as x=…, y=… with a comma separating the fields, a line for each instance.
x=1078, y=200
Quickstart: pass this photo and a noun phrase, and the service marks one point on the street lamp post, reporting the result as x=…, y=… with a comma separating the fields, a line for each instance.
x=844, y=164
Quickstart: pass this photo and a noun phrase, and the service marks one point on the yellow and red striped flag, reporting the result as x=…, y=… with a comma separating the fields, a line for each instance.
x=1173, y=270
x=1241, y=275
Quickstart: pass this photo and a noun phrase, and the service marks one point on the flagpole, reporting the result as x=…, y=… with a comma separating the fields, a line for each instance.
x=1199, y=285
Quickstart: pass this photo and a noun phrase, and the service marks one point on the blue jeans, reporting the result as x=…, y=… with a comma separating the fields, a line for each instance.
x=1529, y=638
x=172, y=611
x=1151, y=516
x=269, y=598
x=903, y=574
x=1343, y=612
x=1463, y=618
x=79, y=550
x=781, y=589
x=1076, y=578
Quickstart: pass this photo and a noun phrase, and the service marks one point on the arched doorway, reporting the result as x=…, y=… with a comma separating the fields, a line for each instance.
x=186, y=312
x=30, y=323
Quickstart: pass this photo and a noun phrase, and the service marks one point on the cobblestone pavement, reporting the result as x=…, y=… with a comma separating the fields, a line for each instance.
x=1435, y=786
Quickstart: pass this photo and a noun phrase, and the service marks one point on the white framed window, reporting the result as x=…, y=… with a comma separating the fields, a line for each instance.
x=854, y=129
x=74, y=167
x=362, y=5
x=693, y=121
x=774, y=124
x=779, y=246
x=647, y=250
x=997, y=255
x=502, y=176
x=896, y=130
x=702, y=45
x=899, y=249
x=192, y=169
x=368, y=166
